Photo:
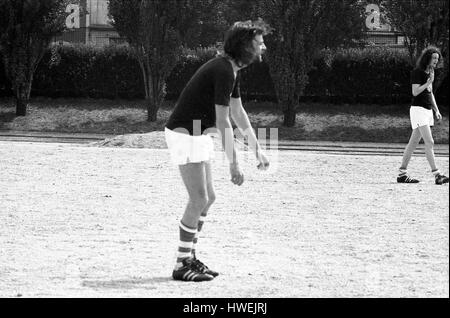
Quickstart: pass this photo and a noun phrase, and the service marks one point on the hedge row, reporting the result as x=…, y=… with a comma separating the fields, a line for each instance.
x=86, y=71
x=371, y=75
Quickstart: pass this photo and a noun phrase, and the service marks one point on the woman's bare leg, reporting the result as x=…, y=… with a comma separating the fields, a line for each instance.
x=409, y=150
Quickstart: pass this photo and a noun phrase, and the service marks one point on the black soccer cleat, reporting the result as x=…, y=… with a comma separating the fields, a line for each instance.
x=191, y=272
x=204, y=269
x=406, y=179
x=441, y=179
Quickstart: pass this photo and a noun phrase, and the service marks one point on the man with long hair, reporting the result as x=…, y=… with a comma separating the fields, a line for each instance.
x=421, y=115
x=210, y=97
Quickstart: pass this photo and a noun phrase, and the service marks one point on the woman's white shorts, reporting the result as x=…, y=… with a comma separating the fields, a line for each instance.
x=420, y=116
x=185, y=148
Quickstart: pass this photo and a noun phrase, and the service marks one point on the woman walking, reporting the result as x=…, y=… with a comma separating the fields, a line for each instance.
x=421, y=115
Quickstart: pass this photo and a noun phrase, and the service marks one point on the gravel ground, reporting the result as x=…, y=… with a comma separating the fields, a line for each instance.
x=91, y=221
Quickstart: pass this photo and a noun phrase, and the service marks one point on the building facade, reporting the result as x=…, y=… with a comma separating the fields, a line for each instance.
x=379, y=33
x=88, y=23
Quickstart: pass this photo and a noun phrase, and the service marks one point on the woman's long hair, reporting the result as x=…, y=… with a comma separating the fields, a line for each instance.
x=425, y=57
x=238, y=40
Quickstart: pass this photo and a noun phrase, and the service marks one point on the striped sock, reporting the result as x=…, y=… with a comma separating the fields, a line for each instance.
x=185, y=246
x=402, y=172
x=197, y=235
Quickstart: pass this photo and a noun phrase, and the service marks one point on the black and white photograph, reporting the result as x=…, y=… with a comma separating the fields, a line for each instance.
x=234, y=150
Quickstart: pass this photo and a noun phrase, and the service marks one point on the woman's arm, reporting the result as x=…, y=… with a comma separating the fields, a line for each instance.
x=417, y=88
x=435, y=107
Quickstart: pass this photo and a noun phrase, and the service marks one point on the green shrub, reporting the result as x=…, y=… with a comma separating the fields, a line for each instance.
x=379, y=74
x=86, y=71
x=373, y=75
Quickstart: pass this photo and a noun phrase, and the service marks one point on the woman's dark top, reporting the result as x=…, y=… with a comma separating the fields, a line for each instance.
x=424, y=99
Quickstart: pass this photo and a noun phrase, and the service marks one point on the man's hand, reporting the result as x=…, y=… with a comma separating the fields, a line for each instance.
x=438, y=116
x=237, y=177
x=263, y=161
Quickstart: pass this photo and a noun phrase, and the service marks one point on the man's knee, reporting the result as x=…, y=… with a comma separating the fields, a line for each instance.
x=211, y=198
x=200, y=200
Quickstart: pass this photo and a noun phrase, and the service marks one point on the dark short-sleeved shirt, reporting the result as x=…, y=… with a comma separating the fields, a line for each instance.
x=213, y=83
x=419, y=76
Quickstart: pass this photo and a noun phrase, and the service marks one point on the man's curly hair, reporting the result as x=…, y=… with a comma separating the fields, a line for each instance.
x=238, y=40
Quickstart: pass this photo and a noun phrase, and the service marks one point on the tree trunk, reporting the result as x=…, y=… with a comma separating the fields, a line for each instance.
x=152, y=106
x=22, y=98
x=21, y=107
x=152, y=110
x=289, y=116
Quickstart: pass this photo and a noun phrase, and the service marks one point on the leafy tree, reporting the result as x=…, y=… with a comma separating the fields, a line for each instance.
x=423, y=22
x=154, y=29
x=236, y=10
x=203, y=24
x=215, y=16
x=26, y=30
x=301, y=29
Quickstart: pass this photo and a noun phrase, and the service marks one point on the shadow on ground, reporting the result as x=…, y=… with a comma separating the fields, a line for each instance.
x=126, y=283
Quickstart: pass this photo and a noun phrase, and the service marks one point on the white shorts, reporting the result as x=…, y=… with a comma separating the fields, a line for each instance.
x=420, y=117
x=185, y=148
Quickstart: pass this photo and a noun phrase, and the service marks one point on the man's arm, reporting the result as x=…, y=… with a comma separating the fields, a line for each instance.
x=223, y=124
x=240, y=118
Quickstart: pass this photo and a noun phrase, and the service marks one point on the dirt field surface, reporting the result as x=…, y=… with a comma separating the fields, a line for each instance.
x=89, y=221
